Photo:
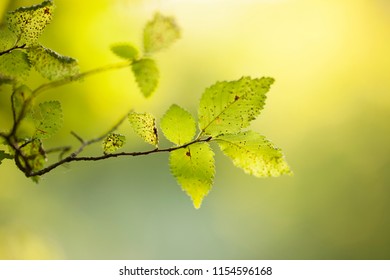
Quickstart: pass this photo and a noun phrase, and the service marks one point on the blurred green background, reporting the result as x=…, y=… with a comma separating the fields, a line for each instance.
x=329, y=111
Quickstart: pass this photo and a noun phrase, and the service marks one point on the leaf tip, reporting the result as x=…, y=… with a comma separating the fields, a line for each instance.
x=197, y=203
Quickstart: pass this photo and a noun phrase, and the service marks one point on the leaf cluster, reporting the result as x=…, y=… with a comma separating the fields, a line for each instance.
x=159, y=33
x=226, y=109
x=20, y=51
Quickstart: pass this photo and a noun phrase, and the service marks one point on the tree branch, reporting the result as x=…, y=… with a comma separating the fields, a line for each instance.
x=11, y=49
x=73, y=156
x=54, y=84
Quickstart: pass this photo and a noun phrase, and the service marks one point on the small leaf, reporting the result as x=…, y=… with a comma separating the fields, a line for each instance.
x=20, y=96
x=145, y=126
x=146, y=74
x=227, y=107
x=28, y=23
x=15, y=65
x=48, y=119
x=254, y=154
x=178, y=125
x=34, y=156
x=125, y=50
x=160, y=33
x=113, y=142
x=4, y=155
x=52, y=65
x=193, y=167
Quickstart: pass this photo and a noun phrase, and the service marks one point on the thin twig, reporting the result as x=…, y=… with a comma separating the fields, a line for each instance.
x=62, y=150
x=77, y=137
x=11, y=49
x=58, y=149
x=79, y=76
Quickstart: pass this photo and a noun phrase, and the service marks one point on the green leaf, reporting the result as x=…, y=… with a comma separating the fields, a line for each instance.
x=146, y=74
x=193, y=167
x=125, y=50
x=15, y=65
x=254, y=154
x=227, y=107
x=4, y=155
x=113, y=142
x=48, y=119
x=160, y=33
x=144, y=125
x=20, y=96
x=28, y=23
x=34, y=156
x=178, y=125
x=7, y=39
x=52, y=65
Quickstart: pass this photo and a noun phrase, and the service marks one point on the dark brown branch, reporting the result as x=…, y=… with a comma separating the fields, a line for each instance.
x=73, y=156
x=13, y=48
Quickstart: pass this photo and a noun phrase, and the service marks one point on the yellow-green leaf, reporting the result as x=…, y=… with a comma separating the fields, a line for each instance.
x=52, y=65
x=113, y=142
x=15, y=65
x=28, y=23
x=193, y=167
x=144, y=124
x=178, y=125
x=227, y=107
x=254, y=154
x=160, y=33
x=48, y=119
x=147, y=75
x=125, y=50
x=7, y=38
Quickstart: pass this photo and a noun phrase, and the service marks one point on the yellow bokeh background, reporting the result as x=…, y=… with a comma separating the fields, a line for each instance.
x=328, y=110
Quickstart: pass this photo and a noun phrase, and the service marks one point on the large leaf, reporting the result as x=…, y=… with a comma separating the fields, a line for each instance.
x=227, y=107
x=15, y=65
x=146, y=74
x=160, y=33
x=28, y=23
x=254, y=154
x=178, y=125
x=48, y=118
x=52, y=65
x=144, y=124
x=193, y=168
